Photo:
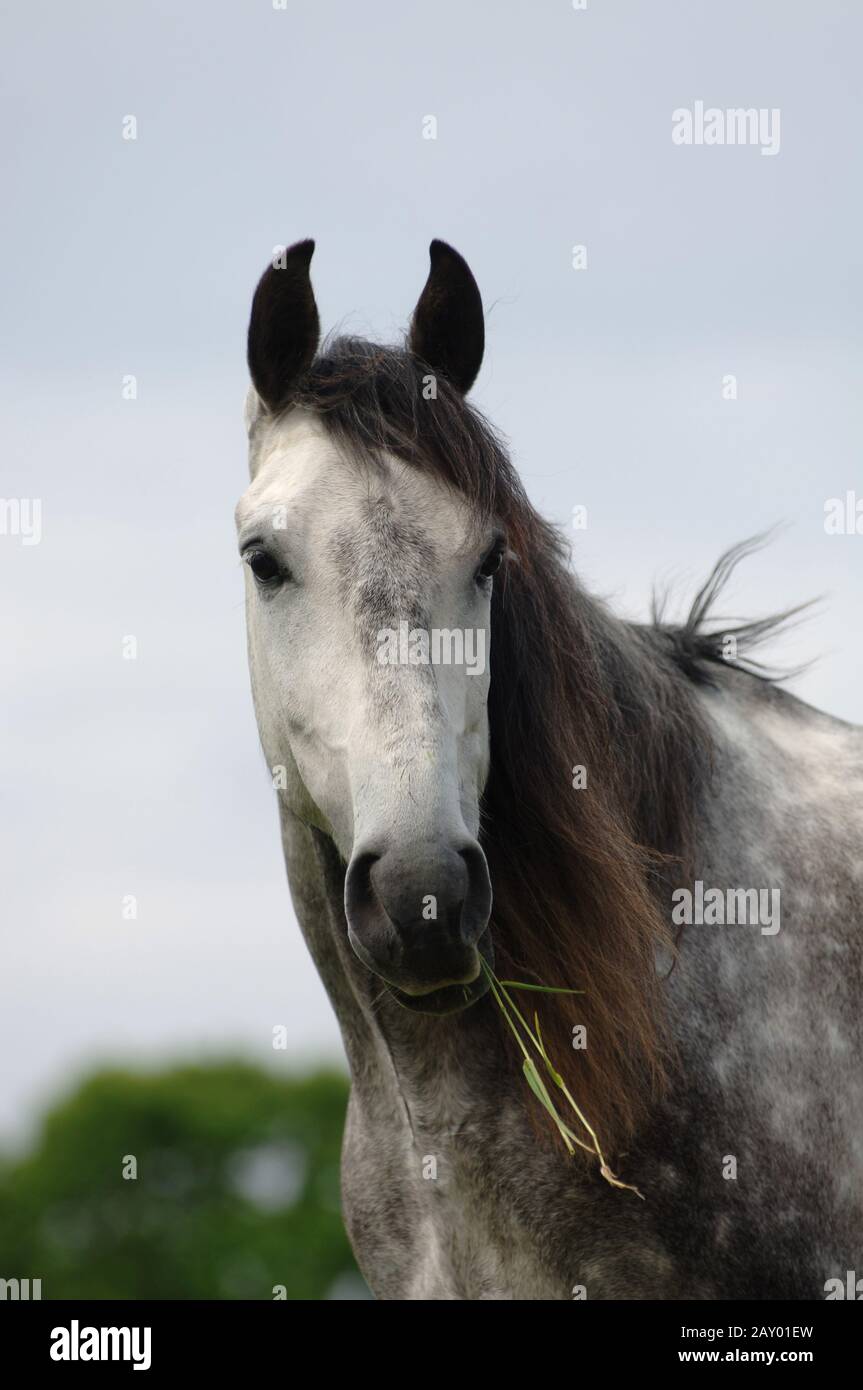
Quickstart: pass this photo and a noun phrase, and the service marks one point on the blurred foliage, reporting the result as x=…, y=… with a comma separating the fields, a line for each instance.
x=237, y=1189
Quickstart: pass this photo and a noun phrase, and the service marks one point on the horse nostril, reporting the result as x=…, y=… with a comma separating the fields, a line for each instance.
x=476, y=908
x=359, y=890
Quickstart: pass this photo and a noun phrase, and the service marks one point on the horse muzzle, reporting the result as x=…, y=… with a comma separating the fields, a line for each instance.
x=418, y=918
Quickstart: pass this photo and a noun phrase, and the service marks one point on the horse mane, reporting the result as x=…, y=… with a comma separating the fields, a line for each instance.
x=580, y=876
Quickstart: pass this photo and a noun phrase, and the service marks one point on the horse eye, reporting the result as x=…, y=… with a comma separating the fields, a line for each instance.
x=491, y=564
x=263, y=566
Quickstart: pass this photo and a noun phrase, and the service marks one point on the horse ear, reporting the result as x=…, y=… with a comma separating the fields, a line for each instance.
x=284, y=327
x=447, y=328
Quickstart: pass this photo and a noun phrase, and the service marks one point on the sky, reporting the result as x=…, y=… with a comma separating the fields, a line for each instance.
x=690, y=377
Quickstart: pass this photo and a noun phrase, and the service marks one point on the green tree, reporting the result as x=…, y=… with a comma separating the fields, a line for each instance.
x=236, y=1189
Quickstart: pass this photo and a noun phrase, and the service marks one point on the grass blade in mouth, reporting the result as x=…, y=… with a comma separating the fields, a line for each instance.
x=540, y=989
x=524, y=1035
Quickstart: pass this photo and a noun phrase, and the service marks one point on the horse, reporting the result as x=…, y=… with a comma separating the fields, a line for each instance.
x=633, y=819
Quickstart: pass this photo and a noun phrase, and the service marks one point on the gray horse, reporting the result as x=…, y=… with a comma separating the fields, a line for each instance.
x=483, y=774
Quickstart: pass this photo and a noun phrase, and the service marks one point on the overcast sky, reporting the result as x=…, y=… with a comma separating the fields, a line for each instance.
x=258, y=126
